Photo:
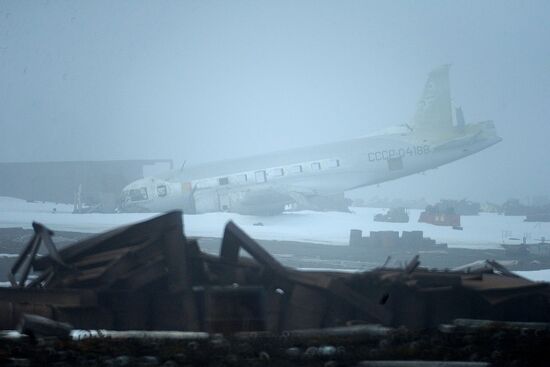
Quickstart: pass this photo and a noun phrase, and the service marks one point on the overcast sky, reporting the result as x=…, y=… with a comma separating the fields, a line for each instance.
x=208, y=80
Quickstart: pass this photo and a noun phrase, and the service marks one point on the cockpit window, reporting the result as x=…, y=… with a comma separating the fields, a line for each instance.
x=137, y=194
x=161, y=190
x=315, y=166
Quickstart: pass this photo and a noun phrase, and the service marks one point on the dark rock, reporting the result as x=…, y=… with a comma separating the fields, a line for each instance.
x=121, y=361
x=327, y=351
x=148, y=361
x=293, y=352
x=310, y=353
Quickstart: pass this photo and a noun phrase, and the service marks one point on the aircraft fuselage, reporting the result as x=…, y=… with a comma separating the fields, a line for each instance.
x=305, y=177
x=269, y=182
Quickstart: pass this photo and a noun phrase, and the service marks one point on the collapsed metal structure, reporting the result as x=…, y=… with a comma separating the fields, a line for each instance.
x=149, y=276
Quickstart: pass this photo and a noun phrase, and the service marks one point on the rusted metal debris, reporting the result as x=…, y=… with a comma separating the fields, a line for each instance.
x=149, y=276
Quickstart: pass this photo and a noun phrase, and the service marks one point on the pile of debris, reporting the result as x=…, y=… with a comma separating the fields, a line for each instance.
x=149, y=276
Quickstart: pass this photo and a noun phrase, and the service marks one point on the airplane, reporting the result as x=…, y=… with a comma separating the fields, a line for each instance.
x=316, y=176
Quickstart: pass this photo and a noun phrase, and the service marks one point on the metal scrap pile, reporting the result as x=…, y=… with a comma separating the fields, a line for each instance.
x=149, y=276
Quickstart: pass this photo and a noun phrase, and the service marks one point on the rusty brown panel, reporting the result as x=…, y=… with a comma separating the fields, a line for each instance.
x=498, y=295
x=77, y=278
x=313, y=279
x=491, y=282
x=246, y=271
x=135, y=259
x=168, y=311
x=122, y=261
x=130, y=235
x=436, y=279
x=101, y=258
x=232, y=309
x=80, y=248
x=407, y=307
x=56, y=297
x=341, y=313
x=142, y=276
x=305, y=309
x=370, y=307
x=526, y=307
x=130, y=310
x=448, y=304
x=419, y=308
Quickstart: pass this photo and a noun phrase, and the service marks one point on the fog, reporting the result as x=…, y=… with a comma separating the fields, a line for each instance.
x=200, y=81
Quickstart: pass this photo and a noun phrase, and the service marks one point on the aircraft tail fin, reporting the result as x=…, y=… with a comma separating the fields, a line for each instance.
x=433, y=111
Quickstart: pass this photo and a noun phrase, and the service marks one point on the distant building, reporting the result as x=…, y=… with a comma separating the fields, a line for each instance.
x=460, y=207
x=98, y=183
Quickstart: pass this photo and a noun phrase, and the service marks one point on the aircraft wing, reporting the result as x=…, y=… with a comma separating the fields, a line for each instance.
x=273, y=199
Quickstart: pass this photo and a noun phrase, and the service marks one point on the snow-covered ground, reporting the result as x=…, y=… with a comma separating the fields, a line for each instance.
x=482, y=231
x=536, y=275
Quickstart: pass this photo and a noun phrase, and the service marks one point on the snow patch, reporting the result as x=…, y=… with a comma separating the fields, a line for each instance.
x=486, y=230
x=536, y=275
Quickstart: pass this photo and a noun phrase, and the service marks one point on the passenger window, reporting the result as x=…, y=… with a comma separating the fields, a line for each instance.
x=295, y=169
x=332, y=163
x=161, y=190
x=260, y=176
x=316, y=166
x=275, y=172
x=223, y=181
x=239, y=179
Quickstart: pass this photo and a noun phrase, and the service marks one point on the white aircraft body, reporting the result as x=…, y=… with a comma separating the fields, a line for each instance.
x=304, y=177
